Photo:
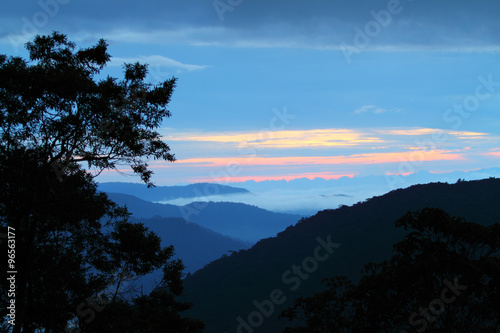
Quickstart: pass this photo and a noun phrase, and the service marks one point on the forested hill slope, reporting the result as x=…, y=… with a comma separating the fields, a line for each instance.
x=236, y=289
x=236, y=220
x=195, y=245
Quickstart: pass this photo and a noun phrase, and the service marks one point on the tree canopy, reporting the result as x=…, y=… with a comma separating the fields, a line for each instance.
x=60, y=126
x=55, y=104
x=444, y=277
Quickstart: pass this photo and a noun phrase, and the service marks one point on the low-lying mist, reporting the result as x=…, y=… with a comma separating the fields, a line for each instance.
x=306, y=197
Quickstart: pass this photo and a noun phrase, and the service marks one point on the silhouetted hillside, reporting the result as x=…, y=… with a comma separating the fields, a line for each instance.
x=245, y=222
x=143, y=208
x=235, y=289
x=239, y=220
x=160, y=193
x=195, y=245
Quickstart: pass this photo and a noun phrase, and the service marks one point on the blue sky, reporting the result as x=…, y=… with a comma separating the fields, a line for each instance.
x=290, y=89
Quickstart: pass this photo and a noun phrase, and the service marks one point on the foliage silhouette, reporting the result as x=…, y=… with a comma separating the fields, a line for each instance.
x=226, y=289
x=75, y=248
x=444, y=277
x=54, y=103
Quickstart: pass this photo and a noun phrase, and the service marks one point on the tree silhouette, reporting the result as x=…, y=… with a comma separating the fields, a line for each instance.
x=74, y=247
x=56, y=105
x=444, y=277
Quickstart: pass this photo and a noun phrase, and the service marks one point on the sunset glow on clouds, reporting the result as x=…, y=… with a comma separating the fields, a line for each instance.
x=287, y=100
x=275, y=168
x=494, y=154
x=288, y=139
x=373, y=158
x=430, y=131
x=318, y=138
x=287, y=177
x=322, y=153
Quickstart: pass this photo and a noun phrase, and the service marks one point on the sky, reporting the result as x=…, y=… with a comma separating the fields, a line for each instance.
x=271, y=90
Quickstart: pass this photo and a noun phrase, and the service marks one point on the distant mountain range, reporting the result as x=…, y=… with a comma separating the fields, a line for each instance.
x=386, y=183
x=163, y=193
x=292, y=258
x=236, y=220
x=307, y=196
x=214, y=229
x=253, y=286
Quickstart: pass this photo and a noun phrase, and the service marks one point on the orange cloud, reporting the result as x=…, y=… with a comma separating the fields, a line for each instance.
x=373, y=158
x=494, y=154
x=238, y=179
x=287, y=139
x=398, y=174
x=468, y=134
x=321, y=138
x=430, y=131
x=409, y=131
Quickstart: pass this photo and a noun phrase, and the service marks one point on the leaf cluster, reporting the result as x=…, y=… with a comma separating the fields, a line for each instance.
x=398, y=295
x=55, y=104
x=77, y=253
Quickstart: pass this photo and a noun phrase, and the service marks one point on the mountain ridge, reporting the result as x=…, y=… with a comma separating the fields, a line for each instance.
x=237, y=220
x=238, y=285
x=164, y=193
x=195, y=245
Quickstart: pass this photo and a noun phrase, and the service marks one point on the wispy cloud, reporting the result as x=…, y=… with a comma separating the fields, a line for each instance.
x=285, y=35
x=288, y=139
x=373, y=109
x=332, y=140
x=157, y=60
x=374, y=158
x=320, y=153
x=430, y=131
x=421, y=25
x=493, y=154
x=287, y=177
